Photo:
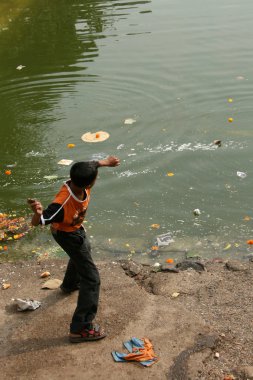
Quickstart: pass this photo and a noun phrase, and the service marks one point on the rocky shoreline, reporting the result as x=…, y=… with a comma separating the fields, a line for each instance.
x=198, y=315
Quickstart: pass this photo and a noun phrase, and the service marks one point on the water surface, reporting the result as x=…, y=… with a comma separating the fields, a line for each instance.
x=171, y=66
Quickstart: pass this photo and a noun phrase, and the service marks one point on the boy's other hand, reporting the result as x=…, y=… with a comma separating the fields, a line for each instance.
x=110, y=161
x=35, y=205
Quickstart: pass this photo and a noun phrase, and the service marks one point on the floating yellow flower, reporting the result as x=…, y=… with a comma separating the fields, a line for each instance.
x=230, y=120
x=155, y=225
x=230, y=100
x=170, y=174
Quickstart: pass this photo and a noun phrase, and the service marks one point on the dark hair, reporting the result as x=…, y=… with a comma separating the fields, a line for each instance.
x=82, y=174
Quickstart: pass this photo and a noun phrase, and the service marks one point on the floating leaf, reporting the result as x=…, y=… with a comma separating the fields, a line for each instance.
x=154, y=248
x=20, y=67
x=227, y=247
x=250, y=242
x=247, y=218
x=170, y=261
x=170, y=174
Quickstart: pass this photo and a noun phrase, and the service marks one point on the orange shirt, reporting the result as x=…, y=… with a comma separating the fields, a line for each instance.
x=74, y=209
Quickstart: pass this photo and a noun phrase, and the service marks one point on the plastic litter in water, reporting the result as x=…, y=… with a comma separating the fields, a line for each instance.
x=241, y=174
x=196, y=212
x=129, y=121
x=20, y=67
x=65, y=162
x=164, y=239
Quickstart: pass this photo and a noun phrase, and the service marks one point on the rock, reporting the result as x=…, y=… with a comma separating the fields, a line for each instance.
x=169, y=268
x=131, y=267
x=244, y=372
x=196, y=265
x=236, y=266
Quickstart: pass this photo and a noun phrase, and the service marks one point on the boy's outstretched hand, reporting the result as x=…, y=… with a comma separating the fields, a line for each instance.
x=109, y=161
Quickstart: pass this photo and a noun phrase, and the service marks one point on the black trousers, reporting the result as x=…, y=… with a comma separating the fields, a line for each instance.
x=81, y=269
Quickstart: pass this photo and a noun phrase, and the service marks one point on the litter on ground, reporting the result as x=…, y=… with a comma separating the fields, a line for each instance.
x=140, y=350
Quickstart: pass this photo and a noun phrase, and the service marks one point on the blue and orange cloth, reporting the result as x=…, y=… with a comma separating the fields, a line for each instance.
x=140, y=350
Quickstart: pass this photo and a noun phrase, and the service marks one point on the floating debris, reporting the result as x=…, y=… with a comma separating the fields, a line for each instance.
x=65, y=162
x=7, y=172
x=175, y=295
x=12, y=229
x=95, y=137
x=169, y=261
x=196, y=212
x=250, y=242
x=50, y=177
x=129, y=121
x=155, y=225
x=170, y=174
x=20, y=67
x=71, y=146
x=217, y=142
x=241, y=174
x=230, y=120
x=164, y=239
x=227, y=247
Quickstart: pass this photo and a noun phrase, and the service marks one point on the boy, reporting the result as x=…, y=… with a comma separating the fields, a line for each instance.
x=66, y=214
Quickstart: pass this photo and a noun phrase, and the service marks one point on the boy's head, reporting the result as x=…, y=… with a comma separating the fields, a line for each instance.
x=83, y=174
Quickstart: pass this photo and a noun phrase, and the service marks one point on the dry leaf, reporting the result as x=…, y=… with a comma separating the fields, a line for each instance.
x=6, y=286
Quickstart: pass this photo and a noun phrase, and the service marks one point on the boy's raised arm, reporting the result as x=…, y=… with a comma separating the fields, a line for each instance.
x=37, y=208
x=109, y=161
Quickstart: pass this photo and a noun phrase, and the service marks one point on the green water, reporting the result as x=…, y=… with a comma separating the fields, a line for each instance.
x=171, y=66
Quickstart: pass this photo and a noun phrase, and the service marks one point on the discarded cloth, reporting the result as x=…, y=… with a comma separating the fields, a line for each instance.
x=26, y=304
x=140, y=350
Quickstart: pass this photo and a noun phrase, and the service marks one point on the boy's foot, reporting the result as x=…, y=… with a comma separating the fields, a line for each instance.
x=68, y=291
x=94, y=332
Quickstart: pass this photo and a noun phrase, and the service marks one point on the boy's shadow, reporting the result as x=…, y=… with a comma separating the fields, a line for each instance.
x=35, y=318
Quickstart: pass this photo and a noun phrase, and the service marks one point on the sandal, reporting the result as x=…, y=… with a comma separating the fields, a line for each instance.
x=95, y=332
